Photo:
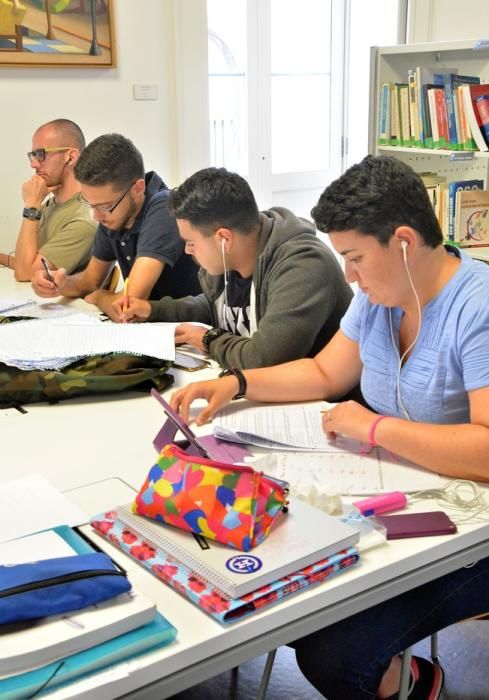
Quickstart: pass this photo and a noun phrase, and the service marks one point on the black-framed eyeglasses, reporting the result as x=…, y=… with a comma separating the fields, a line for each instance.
x=40, y=153
x=107, y=209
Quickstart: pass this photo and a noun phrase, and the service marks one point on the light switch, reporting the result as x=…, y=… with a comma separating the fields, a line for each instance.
x=145, y=92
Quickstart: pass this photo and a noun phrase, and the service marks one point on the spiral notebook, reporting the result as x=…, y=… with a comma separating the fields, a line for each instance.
x=302, y=537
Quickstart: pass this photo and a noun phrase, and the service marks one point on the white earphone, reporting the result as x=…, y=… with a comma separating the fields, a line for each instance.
x=404, y=246
x=226, y=271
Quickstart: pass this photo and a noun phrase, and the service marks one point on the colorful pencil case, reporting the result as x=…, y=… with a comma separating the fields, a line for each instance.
x=229, y=503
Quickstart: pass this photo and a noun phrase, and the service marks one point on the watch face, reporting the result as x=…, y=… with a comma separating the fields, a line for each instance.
x=31, y=213
x=211, y=335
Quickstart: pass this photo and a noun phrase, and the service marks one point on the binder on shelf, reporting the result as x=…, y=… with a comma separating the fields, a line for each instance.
x=201, y=591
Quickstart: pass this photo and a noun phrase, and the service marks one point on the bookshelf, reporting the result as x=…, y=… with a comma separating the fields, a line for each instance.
x=391, y=64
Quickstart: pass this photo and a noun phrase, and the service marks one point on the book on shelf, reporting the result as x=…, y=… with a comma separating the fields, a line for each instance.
x=482, y=105
x=156, y=633
x=425, y=77
x=405, y=122
x=453, y=188
x=472, y=218
x=395, y=117
x=451, y=82
x=470, y=94
x=189, y=580
x=384, y=114
x=414, y=109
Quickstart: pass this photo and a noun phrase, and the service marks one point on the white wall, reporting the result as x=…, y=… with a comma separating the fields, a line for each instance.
x=100, y=100
x=446, y=20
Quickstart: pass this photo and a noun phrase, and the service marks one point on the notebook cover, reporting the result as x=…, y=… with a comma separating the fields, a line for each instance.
x=220, y=606
x=157, y=633
x=299, y=538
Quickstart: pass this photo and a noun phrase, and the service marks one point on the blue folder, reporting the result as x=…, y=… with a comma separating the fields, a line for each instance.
x=156, y=633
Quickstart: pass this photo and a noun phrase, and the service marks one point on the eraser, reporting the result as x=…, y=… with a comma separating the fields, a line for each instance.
x=383, y=503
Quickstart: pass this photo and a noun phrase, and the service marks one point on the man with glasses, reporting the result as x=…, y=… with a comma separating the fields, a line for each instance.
x=134, y=228
x=55, y=226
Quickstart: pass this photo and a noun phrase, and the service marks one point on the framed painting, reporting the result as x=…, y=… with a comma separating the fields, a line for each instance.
x=57, y=33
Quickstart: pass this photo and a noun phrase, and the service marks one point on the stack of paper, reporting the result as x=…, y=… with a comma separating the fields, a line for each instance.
x=49, y=344
x=7, y=304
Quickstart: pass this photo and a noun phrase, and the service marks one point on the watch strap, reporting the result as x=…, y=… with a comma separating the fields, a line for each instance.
x=210, y=335
x=243, y=384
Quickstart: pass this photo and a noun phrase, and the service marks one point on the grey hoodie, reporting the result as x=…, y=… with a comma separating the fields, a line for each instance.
x=301, y=295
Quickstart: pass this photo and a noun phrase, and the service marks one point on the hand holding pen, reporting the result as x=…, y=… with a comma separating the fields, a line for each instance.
x=46, y=270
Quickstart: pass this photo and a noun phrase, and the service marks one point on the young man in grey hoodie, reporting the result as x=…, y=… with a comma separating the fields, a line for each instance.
x=272, y=291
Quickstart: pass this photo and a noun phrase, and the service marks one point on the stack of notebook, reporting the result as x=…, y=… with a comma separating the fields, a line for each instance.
x=44, y=653
x=306, y=547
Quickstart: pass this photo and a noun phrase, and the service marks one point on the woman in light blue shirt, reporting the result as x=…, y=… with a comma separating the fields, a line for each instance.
x=416, y=336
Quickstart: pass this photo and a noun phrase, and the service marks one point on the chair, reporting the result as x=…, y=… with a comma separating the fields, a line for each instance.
x=10, y=24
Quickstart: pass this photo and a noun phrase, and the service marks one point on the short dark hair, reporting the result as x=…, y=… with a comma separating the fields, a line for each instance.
x=213, y=198
x=69, y=132
x=376, y=196
x=110, y=159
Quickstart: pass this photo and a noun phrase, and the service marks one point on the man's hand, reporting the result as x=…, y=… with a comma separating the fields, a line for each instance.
x=44, y=287
x=137, y=310
x=105, y=301
x=188, y=333
x=34, y=191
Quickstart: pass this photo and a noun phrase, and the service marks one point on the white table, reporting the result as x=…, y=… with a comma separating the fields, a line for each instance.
x=87, y=446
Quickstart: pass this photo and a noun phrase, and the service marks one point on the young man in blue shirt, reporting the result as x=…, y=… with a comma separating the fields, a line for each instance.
x=135, y=229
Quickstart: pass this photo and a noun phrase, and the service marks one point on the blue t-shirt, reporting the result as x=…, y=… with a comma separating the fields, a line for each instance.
x=154, y=234
x=450, y=358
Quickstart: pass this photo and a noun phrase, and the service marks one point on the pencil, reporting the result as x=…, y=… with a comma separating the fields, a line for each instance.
x=125, y=295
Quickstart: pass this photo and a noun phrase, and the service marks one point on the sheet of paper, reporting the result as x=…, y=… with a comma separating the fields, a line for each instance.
x=43, y=545
x=8, y=304
x=53, y=344
x=349, y=473
x=32, y=504
x=292, y=426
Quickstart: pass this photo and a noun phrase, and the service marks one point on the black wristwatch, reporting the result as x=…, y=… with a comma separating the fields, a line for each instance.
x=32, y=213
x=211, y=335
x=243, y=385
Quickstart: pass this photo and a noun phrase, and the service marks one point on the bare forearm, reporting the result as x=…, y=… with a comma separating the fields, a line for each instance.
x=77, y=285
x=301, y=380
x=26, y=249
x=455, y=450
x=7, y=260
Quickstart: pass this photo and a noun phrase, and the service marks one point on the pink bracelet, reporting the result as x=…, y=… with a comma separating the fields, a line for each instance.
x=371, y=433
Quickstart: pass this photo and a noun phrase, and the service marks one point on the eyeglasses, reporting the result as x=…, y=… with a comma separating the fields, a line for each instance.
x=103, y=207
x=40, y=153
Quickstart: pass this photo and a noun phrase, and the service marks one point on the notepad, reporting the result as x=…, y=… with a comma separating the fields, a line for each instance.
x=302, y=537
x=10, y=304
x=26, y=646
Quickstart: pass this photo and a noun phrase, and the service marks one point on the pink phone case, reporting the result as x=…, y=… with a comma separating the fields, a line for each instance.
x=417, y=524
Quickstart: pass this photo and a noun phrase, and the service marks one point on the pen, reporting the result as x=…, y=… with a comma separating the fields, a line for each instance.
x=46, y=269
x=125, y=295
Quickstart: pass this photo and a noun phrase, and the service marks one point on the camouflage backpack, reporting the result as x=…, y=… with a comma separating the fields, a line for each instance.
x=100, y=374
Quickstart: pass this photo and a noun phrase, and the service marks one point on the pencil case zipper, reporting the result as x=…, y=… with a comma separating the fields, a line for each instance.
x=57, y=580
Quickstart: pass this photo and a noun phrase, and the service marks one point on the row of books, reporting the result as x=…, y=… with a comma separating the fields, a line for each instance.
x=435, y=110
x=462, y=208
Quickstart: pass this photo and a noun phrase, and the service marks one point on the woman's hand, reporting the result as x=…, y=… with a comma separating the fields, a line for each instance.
x=348, y=418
